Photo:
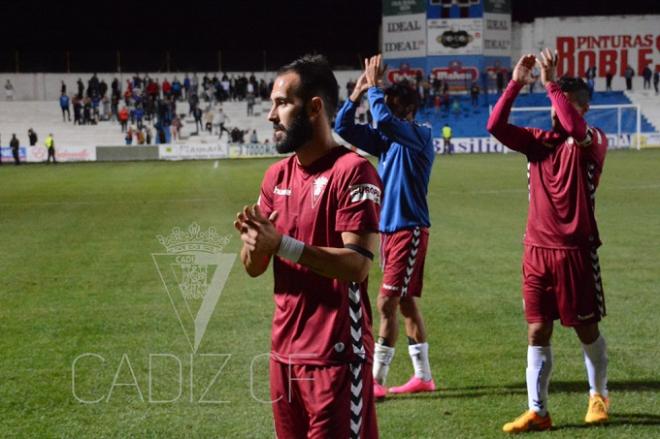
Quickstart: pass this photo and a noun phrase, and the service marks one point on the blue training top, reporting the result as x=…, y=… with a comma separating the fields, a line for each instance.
x=405, y=157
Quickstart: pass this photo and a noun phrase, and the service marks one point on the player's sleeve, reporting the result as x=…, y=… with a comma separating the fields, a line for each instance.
x=402, y=132
x=572, y=122
x=265, y=200
x=597, y=147
x=359, y=135
x=517, y=138
x=358, y=201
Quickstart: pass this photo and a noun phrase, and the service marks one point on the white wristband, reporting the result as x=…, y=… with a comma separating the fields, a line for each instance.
x=290, y=248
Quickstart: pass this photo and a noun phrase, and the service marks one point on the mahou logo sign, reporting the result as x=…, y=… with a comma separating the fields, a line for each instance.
x=455, y=71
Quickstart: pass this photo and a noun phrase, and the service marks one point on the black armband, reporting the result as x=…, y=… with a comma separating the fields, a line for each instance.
x=363, y=251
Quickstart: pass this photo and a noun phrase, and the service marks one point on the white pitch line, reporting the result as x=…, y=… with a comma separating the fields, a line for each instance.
x=215, y=164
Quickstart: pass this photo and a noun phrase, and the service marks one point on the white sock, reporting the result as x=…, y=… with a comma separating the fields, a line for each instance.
x=595, y=359
x=539, y=368
x=419, y=354
x=383, y=356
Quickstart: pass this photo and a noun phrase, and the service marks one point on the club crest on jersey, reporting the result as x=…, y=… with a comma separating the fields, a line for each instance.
x=361, y=192
x=319, y=185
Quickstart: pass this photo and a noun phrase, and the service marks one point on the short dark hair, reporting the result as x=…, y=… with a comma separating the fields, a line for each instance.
x=577, y=87
x=407, y=95
x=316, y=79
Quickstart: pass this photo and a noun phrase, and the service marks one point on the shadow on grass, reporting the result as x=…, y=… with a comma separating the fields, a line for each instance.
x=617, y=419
x=521, y=388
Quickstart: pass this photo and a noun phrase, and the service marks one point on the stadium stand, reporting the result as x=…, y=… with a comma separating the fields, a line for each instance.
x=468, y=121
x=471, y=121
x=45, y=117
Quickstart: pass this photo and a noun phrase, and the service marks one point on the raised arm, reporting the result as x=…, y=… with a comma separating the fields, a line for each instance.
x=401, y=130
x=360, y=135
x=498, y=125
x=569, y=117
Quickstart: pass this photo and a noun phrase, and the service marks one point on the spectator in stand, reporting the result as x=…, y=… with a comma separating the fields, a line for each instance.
x=139, y=136
x=629, y=73
x=250, y=104
x=222, y=120
x=186, y=86
x=500, y=79
x=194, y=84
x=103, y=88
x=62, y=88
x=208, y=120
x=647, y=74
x=14, y=144
x=197, y=114
x=176, y=88
x=128, y=93
x=128, y=138
x=93, y=86
x=96, y=102
x=193, y=102
x=115, y=87
x=264, y=92
x=87, y=110
x=50, y=146
x=226, y=86
x=9, y=90
x=591, y=83
x=114, y=107
x=474, y=94
x=608, y=80
x=64, y=105
x=77, y=109
x=656, y=79
x=81, y=87
x=236, y=135
x=138, y=114
x=176, y=128
x=253, y=136
x=167, y=88
x=591, y=73
x=147, y=133
x=152, y=90
x=32, y=137
x=123, y=118
x=137, y=81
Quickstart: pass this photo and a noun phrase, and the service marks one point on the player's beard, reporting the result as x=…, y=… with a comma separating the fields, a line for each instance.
x=297, y=135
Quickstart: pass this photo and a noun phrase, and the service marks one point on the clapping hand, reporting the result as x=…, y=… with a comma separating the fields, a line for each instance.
x=522, y=72
x=548, y=65
x=258, y=233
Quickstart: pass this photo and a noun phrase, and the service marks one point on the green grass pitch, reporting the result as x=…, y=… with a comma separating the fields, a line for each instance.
x=78, y=277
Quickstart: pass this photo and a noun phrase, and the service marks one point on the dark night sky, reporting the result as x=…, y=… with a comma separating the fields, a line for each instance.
x=193, y=30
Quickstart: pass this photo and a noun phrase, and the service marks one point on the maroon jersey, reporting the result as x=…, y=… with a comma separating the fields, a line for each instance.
x=562, y=175
x=319, y=320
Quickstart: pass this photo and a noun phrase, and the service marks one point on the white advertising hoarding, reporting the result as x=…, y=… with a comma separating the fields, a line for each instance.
x=497, y=34
x=62, y=153
x=456, y=36
x=404, y=36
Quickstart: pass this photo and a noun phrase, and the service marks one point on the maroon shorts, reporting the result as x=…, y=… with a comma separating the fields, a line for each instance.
x=323, y=401
x=562, y=284
x=402, y=255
